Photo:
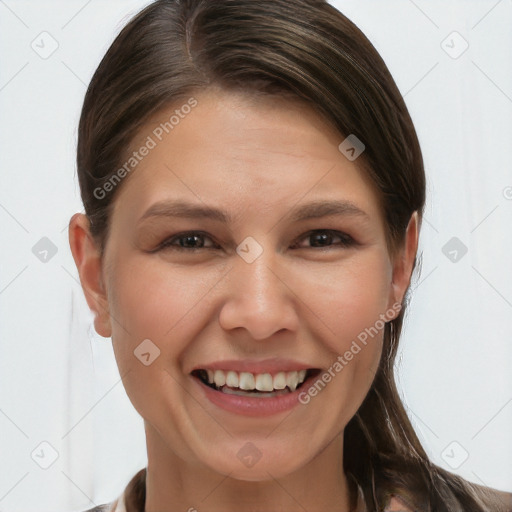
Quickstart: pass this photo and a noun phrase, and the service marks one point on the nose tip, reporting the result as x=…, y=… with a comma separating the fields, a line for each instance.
x=258, y=300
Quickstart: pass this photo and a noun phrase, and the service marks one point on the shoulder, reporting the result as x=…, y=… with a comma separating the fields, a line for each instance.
x=114, y=506
x=132, y=498
x=502, y=500
x=398, y=504
x=504, y=496
x=107, y=507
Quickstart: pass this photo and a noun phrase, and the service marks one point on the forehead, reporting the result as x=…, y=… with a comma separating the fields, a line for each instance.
x=244, y=153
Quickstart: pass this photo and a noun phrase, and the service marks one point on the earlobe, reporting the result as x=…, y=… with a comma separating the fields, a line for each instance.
x=89, y=265
x=404, y=261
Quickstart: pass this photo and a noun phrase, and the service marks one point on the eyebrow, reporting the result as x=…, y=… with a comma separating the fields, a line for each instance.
x=312, y=210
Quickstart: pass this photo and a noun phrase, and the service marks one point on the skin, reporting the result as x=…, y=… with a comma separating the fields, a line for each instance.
x=257, y=159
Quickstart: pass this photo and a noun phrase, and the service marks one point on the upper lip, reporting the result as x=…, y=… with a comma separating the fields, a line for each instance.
x=271, y=366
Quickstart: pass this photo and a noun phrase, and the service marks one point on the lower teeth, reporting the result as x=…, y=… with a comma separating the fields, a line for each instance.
x=259, y=394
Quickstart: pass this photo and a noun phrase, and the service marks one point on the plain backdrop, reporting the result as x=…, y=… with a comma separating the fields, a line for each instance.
x=69, y=437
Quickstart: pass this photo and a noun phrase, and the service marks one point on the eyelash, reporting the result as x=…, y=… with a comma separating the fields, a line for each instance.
x=346, y=240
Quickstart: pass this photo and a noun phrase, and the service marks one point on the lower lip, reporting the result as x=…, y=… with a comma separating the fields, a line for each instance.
x=252, y=406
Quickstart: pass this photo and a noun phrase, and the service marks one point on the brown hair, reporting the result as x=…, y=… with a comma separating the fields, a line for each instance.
x=308, y=49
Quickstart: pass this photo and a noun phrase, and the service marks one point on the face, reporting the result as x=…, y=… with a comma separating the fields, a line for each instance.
x=278, y=282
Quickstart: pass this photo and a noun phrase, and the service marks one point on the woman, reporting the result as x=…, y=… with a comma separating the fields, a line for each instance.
x=254, y=189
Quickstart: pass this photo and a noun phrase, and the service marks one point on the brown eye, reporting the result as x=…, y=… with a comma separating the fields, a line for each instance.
x=190, y=241
x=327, y=238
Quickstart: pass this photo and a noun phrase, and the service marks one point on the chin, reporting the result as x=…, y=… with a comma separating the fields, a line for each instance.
x=240, y=466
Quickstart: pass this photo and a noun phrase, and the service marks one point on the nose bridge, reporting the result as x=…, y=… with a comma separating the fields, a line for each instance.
x=257, y=299
x=258, y=279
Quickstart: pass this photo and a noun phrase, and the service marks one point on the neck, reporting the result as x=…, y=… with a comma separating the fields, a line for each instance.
x=175, y=484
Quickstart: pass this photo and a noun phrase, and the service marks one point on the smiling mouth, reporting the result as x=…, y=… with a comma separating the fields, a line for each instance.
x=255, y=385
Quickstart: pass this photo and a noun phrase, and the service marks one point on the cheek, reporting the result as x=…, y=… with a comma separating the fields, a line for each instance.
x=151, y=300
x=349, y=299
x=351, y=302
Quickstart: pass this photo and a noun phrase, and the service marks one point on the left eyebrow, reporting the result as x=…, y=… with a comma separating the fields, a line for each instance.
x=312, y=210
x=317, y=209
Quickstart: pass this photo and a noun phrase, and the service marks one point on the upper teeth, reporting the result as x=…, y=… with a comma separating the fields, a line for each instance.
x=259, y=381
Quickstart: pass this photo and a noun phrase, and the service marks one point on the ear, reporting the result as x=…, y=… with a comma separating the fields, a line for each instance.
x=88, y=262
x=403, y=264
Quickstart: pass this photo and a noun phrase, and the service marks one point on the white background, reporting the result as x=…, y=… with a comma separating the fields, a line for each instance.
x=59, y=383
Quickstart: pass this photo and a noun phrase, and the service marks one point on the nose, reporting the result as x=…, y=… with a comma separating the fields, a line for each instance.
x=258, y=298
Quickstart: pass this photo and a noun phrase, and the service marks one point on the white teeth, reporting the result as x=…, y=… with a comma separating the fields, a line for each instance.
x=246, y=381
x=219, y=377
x=280, y=380
x=232, y=379
x=292, y=380
x=264, y=382
x=261, y=381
